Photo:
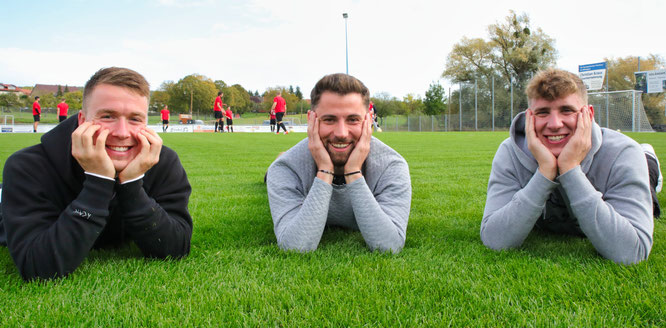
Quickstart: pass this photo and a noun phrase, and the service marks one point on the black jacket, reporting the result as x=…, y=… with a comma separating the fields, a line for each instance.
x=53, y=213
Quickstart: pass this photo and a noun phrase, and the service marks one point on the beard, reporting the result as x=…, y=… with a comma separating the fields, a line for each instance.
x=339, y=159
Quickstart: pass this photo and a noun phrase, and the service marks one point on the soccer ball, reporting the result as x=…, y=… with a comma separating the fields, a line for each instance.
x=379, y=129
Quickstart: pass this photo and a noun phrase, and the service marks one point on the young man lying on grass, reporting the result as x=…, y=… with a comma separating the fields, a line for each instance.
x=100, y=179
x=340, y=175
x=561, y=172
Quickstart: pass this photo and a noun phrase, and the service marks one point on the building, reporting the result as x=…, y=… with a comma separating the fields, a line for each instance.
x=12, y=89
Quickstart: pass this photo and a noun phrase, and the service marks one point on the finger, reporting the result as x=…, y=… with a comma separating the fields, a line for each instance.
x=76, y=135
x=155, y=143
x=87, y=136
x=145, y=145
x=101, y=140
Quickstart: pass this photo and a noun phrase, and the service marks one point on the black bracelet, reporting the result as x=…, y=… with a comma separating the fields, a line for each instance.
x=352, y=173
x=326, y=171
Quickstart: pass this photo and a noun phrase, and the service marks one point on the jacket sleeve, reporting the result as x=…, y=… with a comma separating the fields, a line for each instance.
x=44, y=240
x=382, y=218
x=618, y=222
x=511, y=210
x=299, y=217
x=158, y=220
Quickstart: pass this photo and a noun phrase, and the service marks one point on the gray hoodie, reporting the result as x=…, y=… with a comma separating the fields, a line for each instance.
x=606, y=198
x=377, y=204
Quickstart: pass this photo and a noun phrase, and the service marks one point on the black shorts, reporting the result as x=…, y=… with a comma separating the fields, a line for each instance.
x=230, y=121
x=165, y=121
x=62, y=118
x=218, y=114
x=272, y=121
x=36, y=117
x=279, y=116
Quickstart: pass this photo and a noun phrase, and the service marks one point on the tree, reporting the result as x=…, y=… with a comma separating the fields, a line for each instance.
x=198, y=89
x=59, y=93
x=289, y=98
x=66, y=88
x=74, y=99
x=621, y=77
x=412, y=104
x=158, y=99
x=387, y=105
x=298, y=93
x=513, y=52
x=434, y=100
x=9, y=100
x=238, y=98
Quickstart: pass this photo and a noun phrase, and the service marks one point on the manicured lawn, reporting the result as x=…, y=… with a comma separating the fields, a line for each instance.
x=237, y=276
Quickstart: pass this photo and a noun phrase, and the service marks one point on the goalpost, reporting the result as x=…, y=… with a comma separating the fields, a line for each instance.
x=620, y=110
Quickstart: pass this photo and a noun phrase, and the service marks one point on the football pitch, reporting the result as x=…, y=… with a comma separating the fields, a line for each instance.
x=236, y=275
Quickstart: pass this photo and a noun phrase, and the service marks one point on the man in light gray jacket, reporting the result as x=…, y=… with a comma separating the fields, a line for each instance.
x=561, y=172
x=340, y=175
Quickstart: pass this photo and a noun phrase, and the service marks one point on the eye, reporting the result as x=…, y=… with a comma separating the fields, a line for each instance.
x=541, y=113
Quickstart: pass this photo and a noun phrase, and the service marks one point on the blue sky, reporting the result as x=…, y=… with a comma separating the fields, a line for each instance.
x=398, y=47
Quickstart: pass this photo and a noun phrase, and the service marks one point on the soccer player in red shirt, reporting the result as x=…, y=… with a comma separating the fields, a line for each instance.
x=165, y=118
x=272, y=118
x=62, y=110
x=217, y=110
x=230, y=119
x=36, y=113
x=280, y=107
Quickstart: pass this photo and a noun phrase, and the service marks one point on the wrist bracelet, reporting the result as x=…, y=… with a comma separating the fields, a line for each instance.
x=326, y=171
x=352, y=173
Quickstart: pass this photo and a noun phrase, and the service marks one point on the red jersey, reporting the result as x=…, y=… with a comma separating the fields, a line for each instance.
x=165, y=114
x=272, y=115
x=229, y=114
x=281, y=104
x=62, y=109
x=217, y=108
x=36, y=109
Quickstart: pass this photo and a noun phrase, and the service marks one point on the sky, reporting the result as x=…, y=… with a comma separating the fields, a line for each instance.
x=394, y=47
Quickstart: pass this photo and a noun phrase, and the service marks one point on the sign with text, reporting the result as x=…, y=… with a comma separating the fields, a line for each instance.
x=651, y=81
x=593, y=75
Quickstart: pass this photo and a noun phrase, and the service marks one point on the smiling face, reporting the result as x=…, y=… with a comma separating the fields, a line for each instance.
x=555, y=121
x=340, y=124
x=122, y=112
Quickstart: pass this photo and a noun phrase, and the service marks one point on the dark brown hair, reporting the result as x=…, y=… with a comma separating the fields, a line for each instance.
x=341, y=84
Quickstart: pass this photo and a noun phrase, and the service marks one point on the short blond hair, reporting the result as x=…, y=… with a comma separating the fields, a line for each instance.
x=552, y=83
x=117, y=76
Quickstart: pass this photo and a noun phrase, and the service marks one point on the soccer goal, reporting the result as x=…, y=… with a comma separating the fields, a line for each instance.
x=620, y=110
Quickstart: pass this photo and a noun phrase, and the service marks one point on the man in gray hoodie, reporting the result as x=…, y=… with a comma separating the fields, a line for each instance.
x=559, y=171
x=340, y=175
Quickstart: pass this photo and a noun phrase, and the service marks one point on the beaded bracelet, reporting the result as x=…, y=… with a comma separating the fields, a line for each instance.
x=326, y=171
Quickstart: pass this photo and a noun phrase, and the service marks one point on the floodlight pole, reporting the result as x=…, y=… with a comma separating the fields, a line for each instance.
x=344, y=15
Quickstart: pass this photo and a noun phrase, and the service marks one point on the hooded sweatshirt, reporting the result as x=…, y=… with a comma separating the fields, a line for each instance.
x=606, y=198
x=53, y=213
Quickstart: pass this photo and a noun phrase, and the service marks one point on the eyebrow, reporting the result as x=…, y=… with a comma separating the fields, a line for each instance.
x=112, y=111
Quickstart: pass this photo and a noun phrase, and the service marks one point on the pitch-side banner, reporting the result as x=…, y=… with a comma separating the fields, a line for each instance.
x=651, y=81
x=593, y=75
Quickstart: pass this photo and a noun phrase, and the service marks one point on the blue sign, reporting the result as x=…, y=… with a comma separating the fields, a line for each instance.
x=591, y=67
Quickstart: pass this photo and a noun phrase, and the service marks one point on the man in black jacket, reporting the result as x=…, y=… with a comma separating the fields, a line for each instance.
x=101, y=178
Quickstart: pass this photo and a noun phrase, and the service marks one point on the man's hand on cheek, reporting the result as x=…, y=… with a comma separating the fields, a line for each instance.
x=316, y=146
x=361, y=150
x=544, y=157
x=150, y=146
x=89, y=149
x=579, y=145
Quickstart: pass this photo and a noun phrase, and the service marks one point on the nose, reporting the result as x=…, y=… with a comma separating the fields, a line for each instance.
x=121, y=129
x=341, y=130
x=554, y=121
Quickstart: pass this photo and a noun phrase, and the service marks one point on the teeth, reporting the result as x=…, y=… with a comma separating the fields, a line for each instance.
x=555, y=138
x=340, y=145
x=119, y=148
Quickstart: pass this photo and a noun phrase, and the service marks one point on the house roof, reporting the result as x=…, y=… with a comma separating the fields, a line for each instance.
x=42, y=89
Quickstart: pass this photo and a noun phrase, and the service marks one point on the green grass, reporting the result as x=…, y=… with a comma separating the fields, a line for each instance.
x=237, y=276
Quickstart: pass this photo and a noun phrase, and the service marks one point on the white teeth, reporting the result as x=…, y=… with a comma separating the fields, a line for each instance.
x=555, y=138
x=119, y=148
x=340, y=145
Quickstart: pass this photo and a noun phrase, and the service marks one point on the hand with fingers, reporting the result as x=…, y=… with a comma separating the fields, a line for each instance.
x=361, y=150
x=317, y=149
x=580, y=143
x=88, y=148
x=544, y=157
x=148, y=156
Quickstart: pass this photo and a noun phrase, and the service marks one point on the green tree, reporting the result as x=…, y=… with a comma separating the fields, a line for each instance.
x=196, y=89
x=9, y=100
x=238, y=98
x=66, y=88
x=59, y=93
x=289, y=98
x=298, y=93
x=434, y=102
x=621, y=77
x=74, y=100
x=158, y=99
x=387, y=105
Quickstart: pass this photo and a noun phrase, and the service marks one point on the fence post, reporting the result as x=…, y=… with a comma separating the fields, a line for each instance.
x=448, y=109
x=409, y=127
x=633, y=111
x=432, y=123
x=420, y=130
x=511, y=85
x=460, y=105
x=476, y=104
x=493, y=94
x=396, y=124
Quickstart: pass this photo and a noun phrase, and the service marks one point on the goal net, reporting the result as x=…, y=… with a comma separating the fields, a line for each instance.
x=620, y=110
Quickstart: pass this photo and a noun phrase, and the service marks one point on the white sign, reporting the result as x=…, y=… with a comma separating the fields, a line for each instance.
x=593, y=75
